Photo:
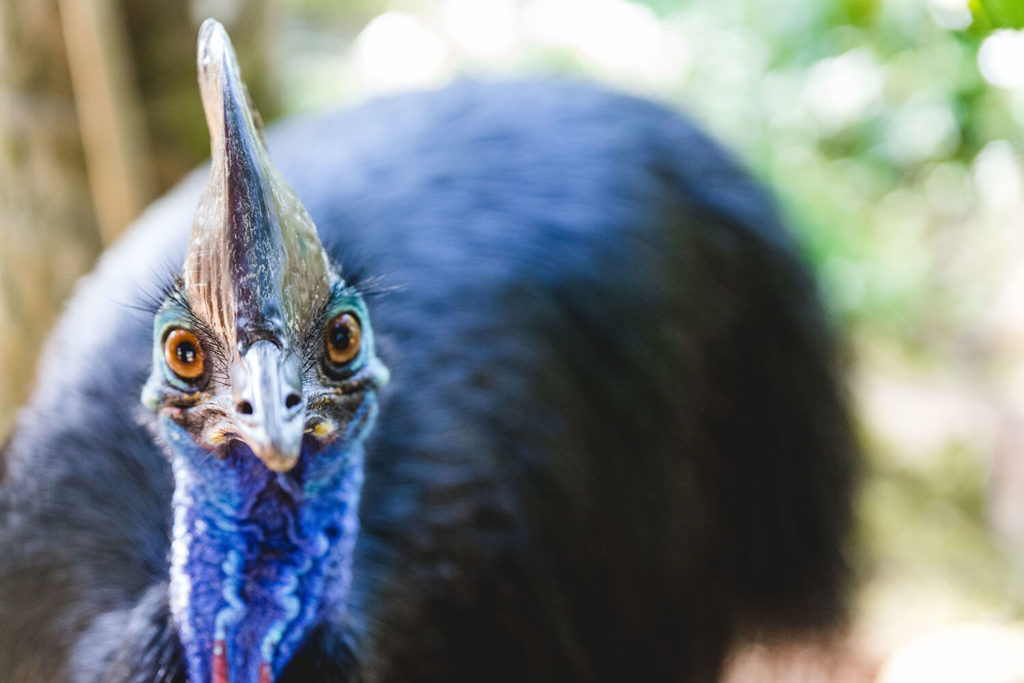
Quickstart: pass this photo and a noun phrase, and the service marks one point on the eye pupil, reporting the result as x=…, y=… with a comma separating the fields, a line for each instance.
x=186, y=352
x=340, y=337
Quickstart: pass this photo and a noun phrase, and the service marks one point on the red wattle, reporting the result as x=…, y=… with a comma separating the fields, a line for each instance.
x=220, y=662
x=264, y=672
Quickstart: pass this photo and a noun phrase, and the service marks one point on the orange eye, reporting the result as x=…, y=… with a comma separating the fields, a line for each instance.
x=183, y=353
x=344, y=335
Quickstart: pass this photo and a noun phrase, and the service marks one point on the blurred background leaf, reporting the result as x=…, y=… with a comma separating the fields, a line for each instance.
x=998, y=13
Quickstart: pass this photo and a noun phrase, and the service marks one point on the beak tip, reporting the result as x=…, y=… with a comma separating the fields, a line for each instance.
x=276, y=459
x=280, y=464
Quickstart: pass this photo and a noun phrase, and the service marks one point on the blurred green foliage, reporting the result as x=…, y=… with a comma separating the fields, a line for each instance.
x=866, y=117
x=990, y=14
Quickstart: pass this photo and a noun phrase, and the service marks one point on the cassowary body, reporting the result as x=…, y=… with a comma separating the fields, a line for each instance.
x=612, y=439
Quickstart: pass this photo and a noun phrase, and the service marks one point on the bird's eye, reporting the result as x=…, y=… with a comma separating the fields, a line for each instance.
x=344, y=336
x=183, y=353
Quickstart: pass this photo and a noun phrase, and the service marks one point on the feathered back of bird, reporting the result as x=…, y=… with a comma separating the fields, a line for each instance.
x=613, y=438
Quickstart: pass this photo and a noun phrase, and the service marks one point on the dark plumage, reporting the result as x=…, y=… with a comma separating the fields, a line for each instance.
x=613, y=439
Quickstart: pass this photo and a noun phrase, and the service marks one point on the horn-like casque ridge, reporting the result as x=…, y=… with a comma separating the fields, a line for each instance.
x=255, y=266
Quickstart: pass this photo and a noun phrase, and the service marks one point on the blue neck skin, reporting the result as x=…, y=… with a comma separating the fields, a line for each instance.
x=259, y=557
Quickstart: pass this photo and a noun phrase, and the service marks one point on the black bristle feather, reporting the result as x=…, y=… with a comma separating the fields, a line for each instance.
x=150, y=295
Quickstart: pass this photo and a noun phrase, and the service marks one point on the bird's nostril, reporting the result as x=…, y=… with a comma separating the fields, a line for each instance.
x=244, y=407
x=292, y=400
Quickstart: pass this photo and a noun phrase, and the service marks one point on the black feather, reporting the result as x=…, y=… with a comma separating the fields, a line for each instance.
x=614, y=438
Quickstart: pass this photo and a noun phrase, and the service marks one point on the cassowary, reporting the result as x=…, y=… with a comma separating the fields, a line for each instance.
x=545, y=395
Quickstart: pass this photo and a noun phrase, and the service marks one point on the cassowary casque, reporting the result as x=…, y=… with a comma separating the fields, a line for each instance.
x=612, y=442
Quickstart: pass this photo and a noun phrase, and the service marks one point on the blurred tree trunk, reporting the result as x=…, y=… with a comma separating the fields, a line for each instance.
x=109, y=111
x=138, y=124
x=47, y=224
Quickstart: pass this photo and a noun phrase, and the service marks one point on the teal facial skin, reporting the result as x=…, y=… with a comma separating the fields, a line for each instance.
x=212, y=396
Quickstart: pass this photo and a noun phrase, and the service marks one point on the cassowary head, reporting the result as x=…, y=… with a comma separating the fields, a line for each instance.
x=263, y=383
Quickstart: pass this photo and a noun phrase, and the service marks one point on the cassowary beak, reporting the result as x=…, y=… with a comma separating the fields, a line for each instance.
x=269, y=410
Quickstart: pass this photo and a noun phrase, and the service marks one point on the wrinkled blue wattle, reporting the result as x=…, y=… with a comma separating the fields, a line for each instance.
x=259, y=557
